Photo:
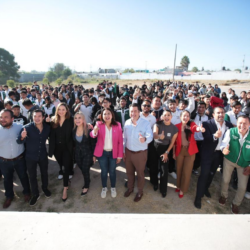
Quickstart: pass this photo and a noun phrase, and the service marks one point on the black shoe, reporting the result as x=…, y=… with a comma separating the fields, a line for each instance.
x=197, y=203
x=126, y=184
x=155, y=187
x=164, y=195
x=34, y=199
x=207, y=194
x=84, y=193
x=47, y=193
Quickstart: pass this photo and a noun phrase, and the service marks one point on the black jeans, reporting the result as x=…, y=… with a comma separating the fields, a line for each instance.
x=159, y=150
x=208, y=169
x=171, y=160
x=8, y=168
x=32, y=171
x=197, y=161
x=64, y=159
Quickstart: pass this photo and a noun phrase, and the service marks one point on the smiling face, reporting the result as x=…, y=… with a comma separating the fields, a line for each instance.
x=38, y=118
x=62, y=111
x=5, y=119
x=185, y=117
x=145, y=107
x=166, y=117
x=107, y=116
x=237, y=109
x=156, y=103
x=243, y=125
x=219, y=114
x=134, y=113
x=79, y=120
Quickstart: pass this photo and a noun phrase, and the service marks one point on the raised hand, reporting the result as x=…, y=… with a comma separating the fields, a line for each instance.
x=153, y=113
x=202, y=129
x=96, y=129
x=141, y=138
x=225, y=150
x=161, y=136
x=48, y=119
x=218, y=133
x=24, y=133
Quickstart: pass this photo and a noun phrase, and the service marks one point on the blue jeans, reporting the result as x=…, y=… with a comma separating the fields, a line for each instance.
x=108, y=165
x=8, y=168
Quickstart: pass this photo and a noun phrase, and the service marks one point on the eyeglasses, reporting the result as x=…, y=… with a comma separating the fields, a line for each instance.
x=148, y=106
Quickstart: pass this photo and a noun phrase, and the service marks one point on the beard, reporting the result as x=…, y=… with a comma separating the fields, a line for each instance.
x=6, y=125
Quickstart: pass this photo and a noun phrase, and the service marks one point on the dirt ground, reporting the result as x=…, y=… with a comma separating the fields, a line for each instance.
x=152, y=202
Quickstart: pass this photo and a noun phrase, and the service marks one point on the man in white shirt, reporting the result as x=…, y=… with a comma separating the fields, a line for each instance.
x=231, y=116
x=85, y=107
x=23, y=96
x=137, y=135
x=145, y=114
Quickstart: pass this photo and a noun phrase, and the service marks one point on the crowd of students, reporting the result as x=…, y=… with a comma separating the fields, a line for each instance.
x=170, y=128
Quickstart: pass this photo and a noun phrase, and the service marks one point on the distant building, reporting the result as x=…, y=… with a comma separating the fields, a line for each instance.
x=142, y=71
x=178, y=70
x=25, y=77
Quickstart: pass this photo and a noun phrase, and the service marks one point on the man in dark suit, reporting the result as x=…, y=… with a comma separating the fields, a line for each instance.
x=211, y=155
x=74, y=94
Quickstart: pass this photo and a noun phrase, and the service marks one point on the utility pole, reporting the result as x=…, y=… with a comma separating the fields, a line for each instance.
x=174, y=60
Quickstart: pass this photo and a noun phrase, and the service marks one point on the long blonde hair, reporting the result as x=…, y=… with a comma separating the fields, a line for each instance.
x=85, y=127
x=56, y=118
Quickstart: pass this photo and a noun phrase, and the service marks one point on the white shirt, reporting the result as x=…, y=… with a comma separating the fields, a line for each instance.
x=87, y=110
x=176, y=117
x=150, y=118
x=232, y=117
x=223, y=129
x=198, y=121
x=108, y=139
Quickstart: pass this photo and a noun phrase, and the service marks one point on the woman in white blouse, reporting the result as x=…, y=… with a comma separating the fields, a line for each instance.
x=109, y=148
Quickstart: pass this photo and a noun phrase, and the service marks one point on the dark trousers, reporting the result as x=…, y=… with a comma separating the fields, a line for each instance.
x=248, y=185
x=85, y=168
x=32, y=171
x=197, y=161
x=209, y=167
x=7, y=169
x=171, y=161
x=159, y=150
x=65, y=161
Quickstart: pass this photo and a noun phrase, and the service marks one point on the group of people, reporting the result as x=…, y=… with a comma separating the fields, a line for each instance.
x=169, y=128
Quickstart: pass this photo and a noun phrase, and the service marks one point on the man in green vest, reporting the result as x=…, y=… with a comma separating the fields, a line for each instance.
x=236, y=149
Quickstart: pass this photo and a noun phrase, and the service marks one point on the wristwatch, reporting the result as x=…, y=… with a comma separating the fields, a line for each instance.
x=167, y=152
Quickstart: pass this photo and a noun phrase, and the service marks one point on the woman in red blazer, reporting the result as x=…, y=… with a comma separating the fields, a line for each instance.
x=185, y=150
x=109, y=148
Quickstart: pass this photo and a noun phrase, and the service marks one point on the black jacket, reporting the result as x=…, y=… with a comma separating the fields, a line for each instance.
x=209, y=144
x=69, y=124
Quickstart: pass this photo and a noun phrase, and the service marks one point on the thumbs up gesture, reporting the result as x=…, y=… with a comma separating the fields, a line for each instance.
x=162, y=136
x=218, y=133
x=201, y=129
x=24, y=134
x=47, y=119
x=226, y=150
x=141, y=138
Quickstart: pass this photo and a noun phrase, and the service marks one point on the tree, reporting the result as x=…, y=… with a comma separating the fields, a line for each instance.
x=129, y=70
x=58, y=69
x=50, y=75
x=185, y=62
x=59, y=81
x=195, y=69
x=66, y=72
x=238, y=70
x=45, y=80
x=11, y=83
x=8, y=67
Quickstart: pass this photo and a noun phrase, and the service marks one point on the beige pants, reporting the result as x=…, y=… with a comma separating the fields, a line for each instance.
x=228, y=168
x=184, y=167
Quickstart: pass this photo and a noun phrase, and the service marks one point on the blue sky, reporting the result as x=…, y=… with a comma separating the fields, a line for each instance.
x=87, y=35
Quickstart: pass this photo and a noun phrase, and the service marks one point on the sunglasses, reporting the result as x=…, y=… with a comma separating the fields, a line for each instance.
x=148, y=106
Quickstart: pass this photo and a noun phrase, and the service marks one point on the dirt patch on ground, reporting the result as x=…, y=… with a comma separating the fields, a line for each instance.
x=152, y=202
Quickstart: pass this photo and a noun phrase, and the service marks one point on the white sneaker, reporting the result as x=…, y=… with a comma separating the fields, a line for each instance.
x=75, y=165
x=173, y=174
x=113, y=192
x=104, y=192
x=60, y=176
x=70, y=177
x=247, y=195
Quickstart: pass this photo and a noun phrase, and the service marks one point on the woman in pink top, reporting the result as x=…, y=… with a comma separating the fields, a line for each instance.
x=109, y=148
